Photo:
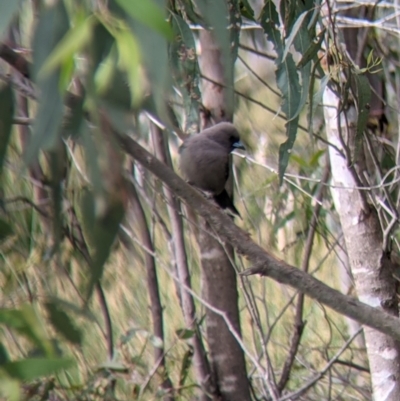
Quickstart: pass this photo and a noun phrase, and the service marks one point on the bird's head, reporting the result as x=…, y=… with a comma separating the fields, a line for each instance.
x=226, y=135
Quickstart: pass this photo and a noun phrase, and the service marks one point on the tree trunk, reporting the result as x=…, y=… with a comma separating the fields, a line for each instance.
x=362, y=232
x=219, y=286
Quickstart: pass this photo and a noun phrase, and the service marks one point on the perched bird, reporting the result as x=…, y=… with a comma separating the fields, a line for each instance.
x=204, y=161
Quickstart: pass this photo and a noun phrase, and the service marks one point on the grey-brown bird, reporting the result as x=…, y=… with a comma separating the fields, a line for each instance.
x=204, y=161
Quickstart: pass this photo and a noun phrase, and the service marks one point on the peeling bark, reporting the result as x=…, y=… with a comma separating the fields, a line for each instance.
x=370, y=267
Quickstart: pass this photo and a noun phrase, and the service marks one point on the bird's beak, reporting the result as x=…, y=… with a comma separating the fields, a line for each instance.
x=239, y=145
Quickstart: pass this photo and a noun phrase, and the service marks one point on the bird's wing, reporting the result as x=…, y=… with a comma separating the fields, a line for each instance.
x=205, y=165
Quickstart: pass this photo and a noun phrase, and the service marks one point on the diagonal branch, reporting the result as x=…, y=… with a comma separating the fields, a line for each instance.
x=263, y=263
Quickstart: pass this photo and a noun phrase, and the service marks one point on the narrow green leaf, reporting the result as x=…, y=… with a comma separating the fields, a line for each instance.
x=114, y=366
x=111, y=85
x=362, y=92
x=155, y=57
x=101, y=45
x=63, y=323
x=302, y=42
x=148, y=13
x=246, y=10
x=75, y=309
x=185, y=71
x=289, y=10
x=52, y=25
x=130, y=62
x=300, y=161
x=314, y=160
x=363, y=97
x=32, y=368
x=101, y=230
x=312, y=50
x=92, y=160
x=294, y=32
x=185, y=334
x=286, y=147
x=269, y=20
x=48, y=119
x=370, y=57
x=26, y=322
x=73, y=41
x=287, y=80
x=73, y=121
x=6, y=119
x=8, y=10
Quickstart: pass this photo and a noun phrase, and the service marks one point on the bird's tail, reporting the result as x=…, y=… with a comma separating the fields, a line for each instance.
x=225, y=202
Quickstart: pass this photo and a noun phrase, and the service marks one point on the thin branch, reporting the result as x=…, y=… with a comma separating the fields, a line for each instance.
x=265, y=83
x=78, y=242
x=153, y=290
x=353, y=366
x=298, y=320
x=258, y=52
x=319, y=375
x=15, y=59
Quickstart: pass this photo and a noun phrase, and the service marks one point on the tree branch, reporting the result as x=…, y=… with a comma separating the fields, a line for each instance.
x=263, y=263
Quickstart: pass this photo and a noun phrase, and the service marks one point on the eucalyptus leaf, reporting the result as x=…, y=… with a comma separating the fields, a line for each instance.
x=129, y=61
x=8, y=10
x=26, y=322
x=33, y=368
x=363, y=96
x=287, y=80
x=185, y=334
x=114, y=366
x=185, y=69
x=155, y=56
x=52, y=26
x=101, y=222
x=362, y=93
x=73, y=41
x=148, y=13
x=312, y=50
x=293, y=33
x=63, y=323
x=246, y=10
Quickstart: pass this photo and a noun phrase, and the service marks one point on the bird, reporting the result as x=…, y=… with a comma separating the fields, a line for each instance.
x=204, y=161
